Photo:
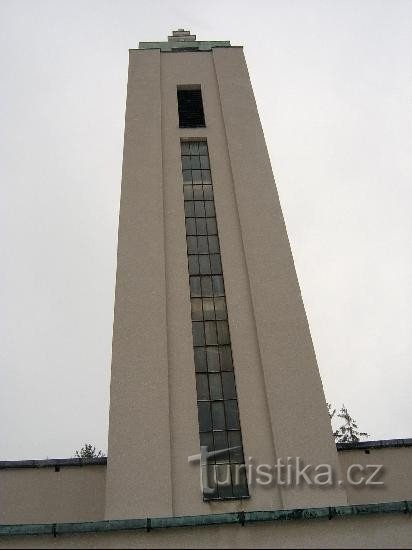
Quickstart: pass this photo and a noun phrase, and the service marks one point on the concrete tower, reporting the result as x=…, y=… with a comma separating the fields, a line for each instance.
x=211, y=344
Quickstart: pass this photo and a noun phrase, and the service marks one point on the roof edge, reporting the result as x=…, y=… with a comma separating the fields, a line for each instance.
x=79, y=462
x=52, y=463
x=378, y=444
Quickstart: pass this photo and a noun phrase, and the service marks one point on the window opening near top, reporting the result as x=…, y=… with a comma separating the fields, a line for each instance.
x=190, y=106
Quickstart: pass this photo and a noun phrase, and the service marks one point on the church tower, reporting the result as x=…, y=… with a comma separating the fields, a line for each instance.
x=211, y=344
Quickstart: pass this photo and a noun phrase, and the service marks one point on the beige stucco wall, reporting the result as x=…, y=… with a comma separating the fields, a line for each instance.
x=380, y=531
x=41, y=495
x=396, y=474
x=77, y=494
x=139, y=467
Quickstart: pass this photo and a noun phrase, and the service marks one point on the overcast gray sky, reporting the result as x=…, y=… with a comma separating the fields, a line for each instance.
x=333, y=84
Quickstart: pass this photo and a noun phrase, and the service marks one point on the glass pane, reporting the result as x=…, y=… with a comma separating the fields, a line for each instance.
x=203, y=411
x=208, y=192
x=204, y=162
x=220, y=308
x=195, y=287
x=225, y=491
x=206, y=176
x=189, y=209
x=240, y=488
x=191, y=245
x=187, y=176
x=208, y=309
x=210, y=209
x=188, y=192
x=199, y=209
x=194, y=148
x=186, y=164
x=213, y=245
x=201, y=226
x=198, y=333
x=232, y=415
x=196, y=309
x=194, y=163
x=202, y=148
x=218, y=288
x=206, y=440
x=235, y=444
x=196, y=177
x=210, y=333
x=220, y=443
x=197, y=193
x=213, y=364
x=211, y=490
x=202, y=245
x=229, y=388
x=225, y=353
x=206, y=283
x=200, y=359
x=193, y=265
x=216, y=266
x=204, y=263
x=185, y=148
x=223, y=332
x=191, y=227
x=224, y=480
x=215, y=386
x=218, y=415
x=223, y=475
x=202, y=387
x=211, y=226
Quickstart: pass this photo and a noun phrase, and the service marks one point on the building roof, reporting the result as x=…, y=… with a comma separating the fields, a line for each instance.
x=81, y=462
x=379, y=444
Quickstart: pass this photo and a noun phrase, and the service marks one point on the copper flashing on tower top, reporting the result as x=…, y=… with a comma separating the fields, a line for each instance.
x=181, y=41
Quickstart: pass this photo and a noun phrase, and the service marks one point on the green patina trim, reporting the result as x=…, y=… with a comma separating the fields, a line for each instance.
x=202, y=46
x=242, y=518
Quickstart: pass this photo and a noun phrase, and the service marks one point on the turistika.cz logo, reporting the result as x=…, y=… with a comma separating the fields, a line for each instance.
x=289, y=472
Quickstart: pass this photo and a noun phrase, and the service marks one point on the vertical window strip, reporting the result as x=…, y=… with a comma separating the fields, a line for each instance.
x=218, y=414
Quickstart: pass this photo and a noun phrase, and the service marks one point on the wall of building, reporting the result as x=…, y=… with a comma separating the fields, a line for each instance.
x=77, y=494
x=395, y=474
x=42, y=495
x=374, y=531
x=139, y=463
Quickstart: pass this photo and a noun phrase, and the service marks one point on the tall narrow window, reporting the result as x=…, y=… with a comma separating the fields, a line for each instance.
x=190, y=107
x=218, y=414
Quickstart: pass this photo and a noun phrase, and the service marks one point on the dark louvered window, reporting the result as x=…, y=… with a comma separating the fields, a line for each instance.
x=190, y=106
